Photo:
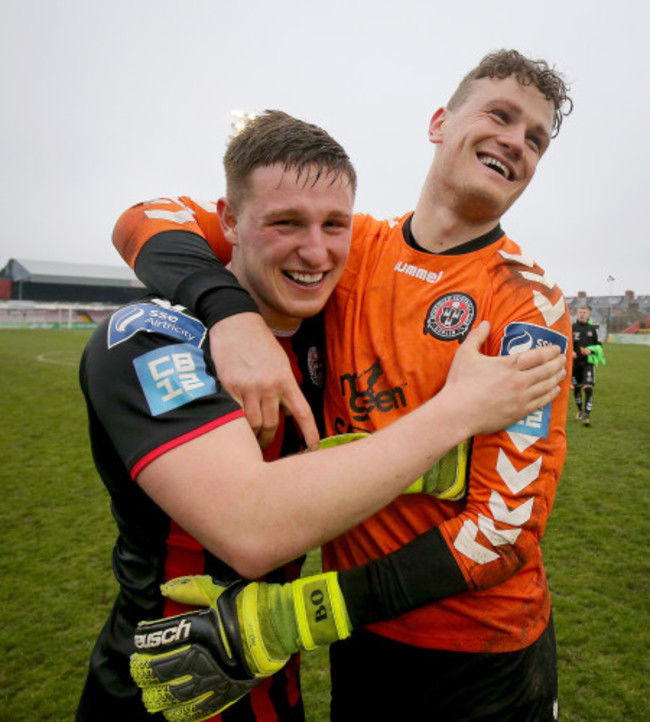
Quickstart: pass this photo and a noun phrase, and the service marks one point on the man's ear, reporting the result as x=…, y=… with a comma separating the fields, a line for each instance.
x=228, y=220
x=435, y=126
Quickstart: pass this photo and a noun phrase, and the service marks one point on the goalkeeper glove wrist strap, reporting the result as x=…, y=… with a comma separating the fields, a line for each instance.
x=280, y=620
x=446, y=479
x=321, y=613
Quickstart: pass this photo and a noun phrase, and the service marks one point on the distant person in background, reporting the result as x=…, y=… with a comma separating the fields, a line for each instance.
x=586, y=348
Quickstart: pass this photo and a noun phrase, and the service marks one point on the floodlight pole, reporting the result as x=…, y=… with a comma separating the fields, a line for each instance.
x=610, y=280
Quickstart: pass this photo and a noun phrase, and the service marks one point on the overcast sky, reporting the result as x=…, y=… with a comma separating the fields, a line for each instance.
x=109, y=102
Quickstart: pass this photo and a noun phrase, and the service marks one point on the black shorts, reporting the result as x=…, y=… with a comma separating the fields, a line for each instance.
x=583, y=374
x=374, y=678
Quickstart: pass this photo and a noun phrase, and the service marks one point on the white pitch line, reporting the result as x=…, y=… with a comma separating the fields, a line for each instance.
x=44, y=358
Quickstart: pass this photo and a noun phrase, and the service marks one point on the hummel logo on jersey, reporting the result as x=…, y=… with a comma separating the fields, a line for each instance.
x=422, y=274
x=164, y=636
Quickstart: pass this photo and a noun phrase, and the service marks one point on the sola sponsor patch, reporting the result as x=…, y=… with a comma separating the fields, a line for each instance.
x=520, y=337
x=172, y=376
x=154, y=318
x=450, y=317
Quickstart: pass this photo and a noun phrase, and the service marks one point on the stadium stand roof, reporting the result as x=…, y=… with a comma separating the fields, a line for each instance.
x=79, y=274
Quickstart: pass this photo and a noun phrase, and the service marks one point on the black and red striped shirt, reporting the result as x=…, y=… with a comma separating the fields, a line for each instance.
x=150, y=385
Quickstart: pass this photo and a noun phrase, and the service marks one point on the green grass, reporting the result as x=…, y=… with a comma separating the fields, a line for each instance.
x=596, y=549
x=56, y=535
x=55, y=528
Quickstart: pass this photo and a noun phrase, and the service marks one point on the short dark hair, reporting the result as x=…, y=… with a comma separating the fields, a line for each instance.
x=274, y=137
x=502, y=64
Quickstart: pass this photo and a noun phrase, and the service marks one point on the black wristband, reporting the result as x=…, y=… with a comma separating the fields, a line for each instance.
x=421, y=572
x=219, y=303
x=181, y=266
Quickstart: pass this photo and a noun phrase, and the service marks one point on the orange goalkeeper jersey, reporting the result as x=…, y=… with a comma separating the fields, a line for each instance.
x=393, y=326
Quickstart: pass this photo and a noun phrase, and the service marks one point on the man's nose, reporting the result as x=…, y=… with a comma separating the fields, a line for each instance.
x=313, y=249
x=513, y=137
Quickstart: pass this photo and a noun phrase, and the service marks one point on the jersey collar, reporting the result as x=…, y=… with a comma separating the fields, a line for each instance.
x=474, y=245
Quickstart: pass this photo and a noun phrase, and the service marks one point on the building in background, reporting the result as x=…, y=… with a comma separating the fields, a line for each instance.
x=22, y=280
x=625, y=314
x=47, y=294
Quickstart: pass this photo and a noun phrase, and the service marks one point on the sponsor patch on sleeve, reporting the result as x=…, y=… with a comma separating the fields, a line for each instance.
x=519, y=337
x=172, y=376
x=154, y=318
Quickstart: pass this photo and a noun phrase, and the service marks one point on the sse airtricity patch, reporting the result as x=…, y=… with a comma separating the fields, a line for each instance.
x=520, y=337
x=172, y=376
x=154, y=318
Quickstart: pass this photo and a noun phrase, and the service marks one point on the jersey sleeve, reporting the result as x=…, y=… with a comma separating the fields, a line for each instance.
x=162, y=392
x=514, y=473
x=177, y=249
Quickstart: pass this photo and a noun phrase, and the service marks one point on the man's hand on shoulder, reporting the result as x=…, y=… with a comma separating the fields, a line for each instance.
x=255, y=370
x=493, y=392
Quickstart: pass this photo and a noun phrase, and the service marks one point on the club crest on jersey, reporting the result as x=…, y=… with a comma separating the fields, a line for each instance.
x=450, y=317
x=520, y=337
x=157, y=317
x=315, y=366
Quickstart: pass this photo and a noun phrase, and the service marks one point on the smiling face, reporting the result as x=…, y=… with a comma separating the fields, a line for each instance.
x=291, y=238
x=489, y=147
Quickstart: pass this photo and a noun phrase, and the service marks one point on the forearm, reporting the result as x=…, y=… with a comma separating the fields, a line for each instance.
x=177, y=248
x=182, y=267
x=249, y=631
x=421, y=572
x=256, y=515
x=333, y=490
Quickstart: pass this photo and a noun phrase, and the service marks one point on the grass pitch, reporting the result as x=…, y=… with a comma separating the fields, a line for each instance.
x=56, y=535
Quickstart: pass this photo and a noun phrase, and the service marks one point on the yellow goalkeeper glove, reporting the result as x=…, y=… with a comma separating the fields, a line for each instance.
x=447, y=479
x=211, y=658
